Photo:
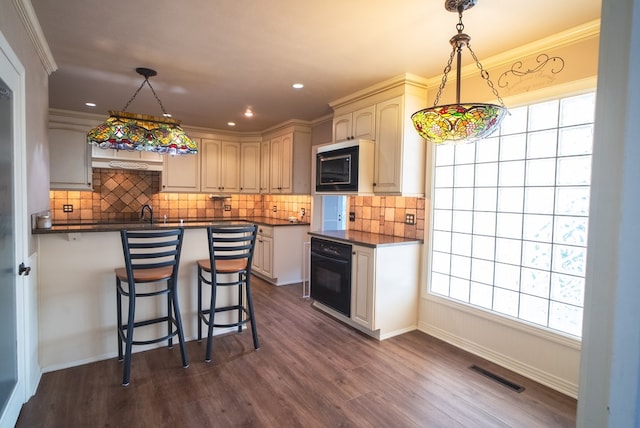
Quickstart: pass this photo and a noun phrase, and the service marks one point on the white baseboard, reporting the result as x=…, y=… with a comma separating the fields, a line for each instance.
x=552, y=381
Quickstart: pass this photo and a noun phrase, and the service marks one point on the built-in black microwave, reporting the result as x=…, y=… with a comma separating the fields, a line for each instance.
x=345, y=167
x=337, y=170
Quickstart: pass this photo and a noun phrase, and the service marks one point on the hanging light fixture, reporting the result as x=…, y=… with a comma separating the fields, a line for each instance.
x=459, y=123
x=132, y=131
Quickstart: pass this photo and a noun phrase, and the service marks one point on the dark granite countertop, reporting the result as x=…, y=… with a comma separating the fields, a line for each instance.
x=365, y=239
x=89, y=226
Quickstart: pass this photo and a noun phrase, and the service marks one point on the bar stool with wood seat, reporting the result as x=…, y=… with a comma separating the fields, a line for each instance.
x=229, y=265
x=151, y=269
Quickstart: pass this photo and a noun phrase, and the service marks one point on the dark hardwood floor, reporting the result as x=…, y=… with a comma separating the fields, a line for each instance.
x=310, y=371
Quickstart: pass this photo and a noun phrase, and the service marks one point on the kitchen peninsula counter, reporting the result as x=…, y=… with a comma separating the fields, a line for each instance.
x=76, y=283
x=115, y=226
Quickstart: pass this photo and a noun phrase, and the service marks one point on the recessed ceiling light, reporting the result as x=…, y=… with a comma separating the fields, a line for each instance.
x=248, y=113
x=166, y=114
x=231, y=123
x=298, y=85
x=90, y=104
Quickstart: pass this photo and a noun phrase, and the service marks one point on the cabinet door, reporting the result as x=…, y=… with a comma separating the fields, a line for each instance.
x=388, y=168
x=211, y=151
x=342, y=127
x=229, y=167
x=69, y=158
x=265, y=166
x=286, y=164
x=363, y=286
x=256, y=262
x=181, y=173
x=267, y=256
x=275, y=165
x=250, y=173
x=364, y=123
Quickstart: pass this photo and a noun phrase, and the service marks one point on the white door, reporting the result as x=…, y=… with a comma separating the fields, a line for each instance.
x=12, y=237
x=334, y=211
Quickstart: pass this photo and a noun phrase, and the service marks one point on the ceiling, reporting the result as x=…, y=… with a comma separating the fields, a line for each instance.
x=216, y=58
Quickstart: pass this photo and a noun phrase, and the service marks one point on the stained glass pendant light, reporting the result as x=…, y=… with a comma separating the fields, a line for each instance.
x=459, y=122
x=132, y=131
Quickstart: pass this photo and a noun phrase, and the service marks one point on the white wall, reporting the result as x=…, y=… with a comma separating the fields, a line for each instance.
x=610, y=367
x=37, y=106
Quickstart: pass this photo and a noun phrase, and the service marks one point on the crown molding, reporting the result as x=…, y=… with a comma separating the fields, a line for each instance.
x=32, y=25
x=558, y=40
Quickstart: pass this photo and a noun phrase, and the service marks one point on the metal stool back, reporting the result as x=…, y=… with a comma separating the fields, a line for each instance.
x=150, y=257
x=229, y=265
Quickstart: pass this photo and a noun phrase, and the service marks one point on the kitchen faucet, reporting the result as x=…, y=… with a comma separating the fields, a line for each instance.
x=147, y=207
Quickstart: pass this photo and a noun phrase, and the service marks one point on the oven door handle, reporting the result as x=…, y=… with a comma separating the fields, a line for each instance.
x=331, y=259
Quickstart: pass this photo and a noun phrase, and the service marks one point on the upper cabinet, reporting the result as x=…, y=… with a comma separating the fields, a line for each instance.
x=290, y=161
x=265, y=161
x=182, y=173
x=69, y=158
x=250, y=167
x=354, y=125
x=69, y=152
x=220, y=166
x=400, y=152
x=399, y=161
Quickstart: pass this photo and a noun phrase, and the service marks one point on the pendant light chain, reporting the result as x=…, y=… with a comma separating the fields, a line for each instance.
x=146, y=80
x=447, y=69
x=485, y=75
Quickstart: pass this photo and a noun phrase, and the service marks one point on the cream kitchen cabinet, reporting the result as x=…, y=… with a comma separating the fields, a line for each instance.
x=280, y=164
x=290, y=161
x=69, y=157
x=262, y=263
x=265, y=166
x=181, y=173
x=278, y=253
x=400, y=152
x=385, y=288
x=220, y=166
x=399, y=164
x=358, y=124
x=215, y=169
x=250, y=172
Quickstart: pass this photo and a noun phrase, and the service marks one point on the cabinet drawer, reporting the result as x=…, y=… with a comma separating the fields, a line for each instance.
x=265, y=230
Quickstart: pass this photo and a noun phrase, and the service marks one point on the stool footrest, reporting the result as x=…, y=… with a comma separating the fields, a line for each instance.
x=174, y=332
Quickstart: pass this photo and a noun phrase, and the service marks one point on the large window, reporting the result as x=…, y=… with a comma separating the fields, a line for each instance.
x=510, y=215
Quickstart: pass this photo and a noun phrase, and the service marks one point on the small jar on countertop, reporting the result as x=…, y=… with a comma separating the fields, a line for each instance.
x=44, y=221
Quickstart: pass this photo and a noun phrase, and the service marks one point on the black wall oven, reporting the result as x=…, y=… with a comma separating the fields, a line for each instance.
x=331, y=274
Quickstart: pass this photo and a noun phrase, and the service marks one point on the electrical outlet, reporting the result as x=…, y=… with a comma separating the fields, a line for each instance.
x=410, y=219
x=67, y=208
x=303, y=212
x=274, y=209
x=227, y=207
x=352, y=216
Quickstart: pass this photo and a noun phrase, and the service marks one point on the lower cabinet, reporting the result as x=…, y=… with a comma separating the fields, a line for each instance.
x=385, y=289
x=278, y=253
x=263, y=252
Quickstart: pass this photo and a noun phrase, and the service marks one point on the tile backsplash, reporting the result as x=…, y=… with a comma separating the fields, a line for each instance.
x=119, y=195
x=387, y=215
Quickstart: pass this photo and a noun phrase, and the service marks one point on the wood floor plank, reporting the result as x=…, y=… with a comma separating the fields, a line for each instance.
x=310, y=371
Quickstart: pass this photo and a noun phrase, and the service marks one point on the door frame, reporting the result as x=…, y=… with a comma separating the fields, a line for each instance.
x=13, y=74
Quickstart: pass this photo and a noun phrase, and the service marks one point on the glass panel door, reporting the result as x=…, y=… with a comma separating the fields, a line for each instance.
x=8, y=333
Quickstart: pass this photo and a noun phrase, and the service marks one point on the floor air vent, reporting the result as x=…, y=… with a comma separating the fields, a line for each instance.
x=513, y=386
